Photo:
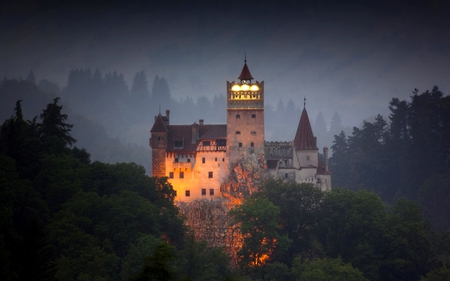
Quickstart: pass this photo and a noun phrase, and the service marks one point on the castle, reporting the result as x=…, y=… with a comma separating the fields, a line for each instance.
x=197, y=158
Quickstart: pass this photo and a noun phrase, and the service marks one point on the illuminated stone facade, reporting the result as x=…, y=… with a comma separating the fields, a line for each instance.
x=199, y=159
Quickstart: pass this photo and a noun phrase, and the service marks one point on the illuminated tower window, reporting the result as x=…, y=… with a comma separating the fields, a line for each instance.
x=188, y=193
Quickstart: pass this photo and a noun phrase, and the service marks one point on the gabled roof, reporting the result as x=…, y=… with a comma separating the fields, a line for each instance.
x=245, y=73
x=159, y=125
x=304, y=138
x=321, y=169
x=184, y=133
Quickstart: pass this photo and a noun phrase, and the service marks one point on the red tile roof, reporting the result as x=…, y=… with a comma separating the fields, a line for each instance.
x=321, y=169
x=304, y=138
x=245, y=74
x=159, y=126
x=184, y=133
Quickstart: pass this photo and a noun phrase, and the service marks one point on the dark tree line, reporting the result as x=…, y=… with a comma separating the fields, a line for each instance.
x=407, y=155
x=297, y=232
x=64, y=217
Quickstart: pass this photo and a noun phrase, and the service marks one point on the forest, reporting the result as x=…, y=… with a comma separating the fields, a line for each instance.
x=68, y=217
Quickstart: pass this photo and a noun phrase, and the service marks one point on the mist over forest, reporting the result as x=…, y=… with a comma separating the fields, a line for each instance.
x=81, y=83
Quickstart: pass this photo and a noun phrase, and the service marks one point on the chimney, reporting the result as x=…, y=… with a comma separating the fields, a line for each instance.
x=167, y=115
x=325, y=157
x=194, y=133
x=201, y=122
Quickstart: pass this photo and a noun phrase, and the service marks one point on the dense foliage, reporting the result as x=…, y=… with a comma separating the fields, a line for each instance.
x=297, y=232
x=409, y=156
x=65, y=218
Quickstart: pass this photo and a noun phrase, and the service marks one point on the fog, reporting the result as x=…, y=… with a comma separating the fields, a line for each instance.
x=351, y=58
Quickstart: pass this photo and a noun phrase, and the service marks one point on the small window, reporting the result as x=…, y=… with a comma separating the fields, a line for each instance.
x=203, y=191
x=238, y=132
x=210, y=175
x=178, y=144
x=240, y=144
x=188, y=193
x=252, y=145
x=253, y=115
x=223, y=159
x=203, y=160
x=171, y=175
x=286, y=175
x=307, y=158
x=159, y=138
x=175, y=160
x=215, y=159
x=221, y=142
x=189, y=160
x=211, y=191
x=253, y=133
x=206, y=143
x=238, y=116
x=181, y=175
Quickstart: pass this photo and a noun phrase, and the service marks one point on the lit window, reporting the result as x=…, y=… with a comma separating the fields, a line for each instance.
x=211, y=191
x=203, y=160
x=253, y=115
x=203, y=191
x=181, y=175
x=188, y=193
x=171, y=175
x=240, y=144
x=210, y=175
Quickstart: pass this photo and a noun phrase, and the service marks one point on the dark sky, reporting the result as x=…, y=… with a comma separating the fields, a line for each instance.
x=346, y=56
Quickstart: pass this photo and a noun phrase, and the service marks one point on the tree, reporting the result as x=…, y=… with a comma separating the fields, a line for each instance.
x=325, y=270
x=54, y=125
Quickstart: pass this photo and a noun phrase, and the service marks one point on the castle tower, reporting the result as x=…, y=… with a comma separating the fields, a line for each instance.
x=305, y=147
x=158, y=143
x=245, y=116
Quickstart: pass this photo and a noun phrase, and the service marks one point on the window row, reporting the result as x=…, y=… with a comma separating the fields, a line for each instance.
x=181, y=175
x=187, y=193
x=251, y=144
x=238, y=116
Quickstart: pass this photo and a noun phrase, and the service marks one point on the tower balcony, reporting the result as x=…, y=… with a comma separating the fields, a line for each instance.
x=182, y=165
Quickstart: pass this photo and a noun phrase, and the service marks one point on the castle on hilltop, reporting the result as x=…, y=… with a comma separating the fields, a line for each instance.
x=197, y=158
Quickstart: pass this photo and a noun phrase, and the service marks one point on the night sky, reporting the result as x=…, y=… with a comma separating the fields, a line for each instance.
x=350, y=57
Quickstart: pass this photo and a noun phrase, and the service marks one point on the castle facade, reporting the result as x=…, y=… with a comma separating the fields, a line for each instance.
x=197, y=158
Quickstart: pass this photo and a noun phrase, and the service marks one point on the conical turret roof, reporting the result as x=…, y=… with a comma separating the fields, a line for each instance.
x=245, y=73
x=159, y=125
x=304, y=138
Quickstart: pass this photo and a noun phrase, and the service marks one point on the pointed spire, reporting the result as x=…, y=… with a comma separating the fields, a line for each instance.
x=245, y=73
x=304, y=138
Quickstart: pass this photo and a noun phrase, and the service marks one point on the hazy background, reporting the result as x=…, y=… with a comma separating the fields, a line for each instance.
x=349, y=57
